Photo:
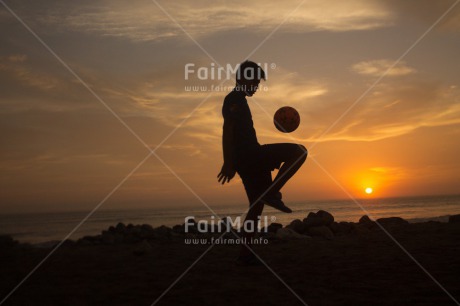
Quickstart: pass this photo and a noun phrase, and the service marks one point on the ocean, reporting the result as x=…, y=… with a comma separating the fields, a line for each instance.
x=43, y=227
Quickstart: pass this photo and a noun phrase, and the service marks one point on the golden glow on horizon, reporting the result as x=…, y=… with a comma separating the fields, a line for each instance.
x=369, y=190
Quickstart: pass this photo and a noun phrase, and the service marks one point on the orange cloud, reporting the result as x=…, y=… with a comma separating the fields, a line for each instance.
x=379, y=67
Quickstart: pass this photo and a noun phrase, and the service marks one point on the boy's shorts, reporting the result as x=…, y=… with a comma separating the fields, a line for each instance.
x=254, y=166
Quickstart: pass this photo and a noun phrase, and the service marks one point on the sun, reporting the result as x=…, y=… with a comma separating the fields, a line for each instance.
x=368, y=190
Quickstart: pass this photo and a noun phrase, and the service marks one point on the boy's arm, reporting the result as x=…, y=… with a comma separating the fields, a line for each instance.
x=228, y=169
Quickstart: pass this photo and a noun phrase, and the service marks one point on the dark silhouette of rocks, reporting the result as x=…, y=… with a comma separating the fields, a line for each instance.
x=326, y=218
x=321, y=231
x=320, y=225
x=288, y=233
x=392, y=222
x=7, y=241
x=274, y=227
x=454, y=219
x=298, y=226
x=366, y=223
x=364, y=219
x=312, y=220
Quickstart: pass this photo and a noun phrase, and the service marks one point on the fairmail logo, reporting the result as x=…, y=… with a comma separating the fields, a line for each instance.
x=213, y=225
x=226, y=72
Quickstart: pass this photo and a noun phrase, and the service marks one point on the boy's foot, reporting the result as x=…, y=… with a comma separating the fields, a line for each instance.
x=276, y=202
x=248, y=260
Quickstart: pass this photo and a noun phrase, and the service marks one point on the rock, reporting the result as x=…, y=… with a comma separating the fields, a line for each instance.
x=135, y=230
x=345, y=227
x=142, y=248
x=326, y=218
x=335, y=227
x=7, y=241
x=147, y=231
x=68, y=243
x=454, y=219
x=318, y=219
x=359, y=228
x=321, y=231
x=47, y=244
x=298, y=226
x=312, y=220
x=274, y=227
x=89, y=240
x=367, y=222
x=392, y=222
x=287, y=233
x=178, y=229
x=119, y=238
x=365, y=219
x=107, y=237
x=162, y=232
x=131, y=238
x=120, y=228
x=146, y=228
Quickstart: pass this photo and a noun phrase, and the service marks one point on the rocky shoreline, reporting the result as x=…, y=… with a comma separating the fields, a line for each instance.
x=320, y=224
x=323, y=261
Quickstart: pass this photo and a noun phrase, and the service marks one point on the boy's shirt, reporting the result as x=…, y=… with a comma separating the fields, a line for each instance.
x=236, y=108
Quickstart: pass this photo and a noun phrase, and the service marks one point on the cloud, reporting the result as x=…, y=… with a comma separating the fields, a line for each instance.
x=428, y=12
x=144, y=21
x=452, y=23
x=391, y=110
x=419, y=104
x=378, y=67
x=16, y=66
x=30, y=84
x=289, y=85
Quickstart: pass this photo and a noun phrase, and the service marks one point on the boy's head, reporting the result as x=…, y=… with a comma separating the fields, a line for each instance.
x=248, y=77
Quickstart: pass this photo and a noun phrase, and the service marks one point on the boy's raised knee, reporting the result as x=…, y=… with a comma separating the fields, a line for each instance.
x=304, y=151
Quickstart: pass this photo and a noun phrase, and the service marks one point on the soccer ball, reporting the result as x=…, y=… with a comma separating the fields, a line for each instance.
x=286, y=119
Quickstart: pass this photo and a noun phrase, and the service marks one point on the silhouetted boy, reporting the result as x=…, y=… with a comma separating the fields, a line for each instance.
x=252, y=161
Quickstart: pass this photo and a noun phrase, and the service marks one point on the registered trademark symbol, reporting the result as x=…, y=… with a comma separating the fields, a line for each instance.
x=272, y=65
x=273, y=218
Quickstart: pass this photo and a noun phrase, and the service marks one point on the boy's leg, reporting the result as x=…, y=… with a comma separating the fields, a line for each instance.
x=291, y=155
x=255, y=185
x=252, y=216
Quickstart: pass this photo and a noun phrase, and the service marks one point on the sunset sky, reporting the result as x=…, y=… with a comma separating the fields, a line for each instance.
x=63, y=149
